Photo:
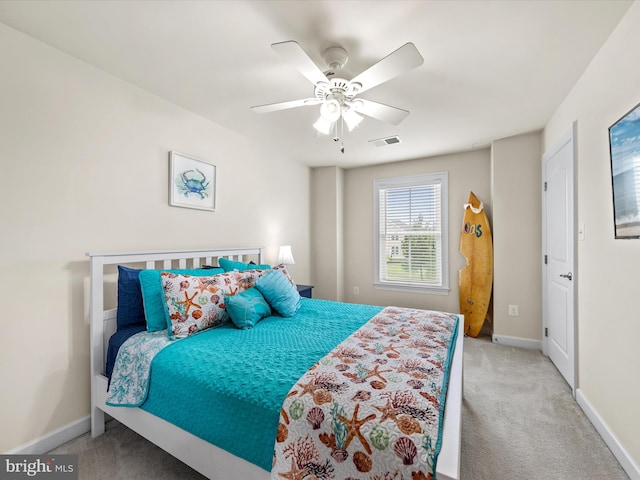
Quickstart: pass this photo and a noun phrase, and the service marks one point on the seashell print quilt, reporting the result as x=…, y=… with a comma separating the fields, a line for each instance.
x=131, y=372
x=373, y=407
x=226, y=385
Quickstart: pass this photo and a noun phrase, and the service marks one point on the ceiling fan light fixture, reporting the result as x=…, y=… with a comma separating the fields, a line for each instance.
x=336, y=95
x=330, y=109
x=351, y=118
x=323, y=125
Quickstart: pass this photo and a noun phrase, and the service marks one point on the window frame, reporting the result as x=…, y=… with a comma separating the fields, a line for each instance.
x=441, y=178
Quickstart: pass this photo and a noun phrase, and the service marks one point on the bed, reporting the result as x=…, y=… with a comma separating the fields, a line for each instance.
x=206, y=457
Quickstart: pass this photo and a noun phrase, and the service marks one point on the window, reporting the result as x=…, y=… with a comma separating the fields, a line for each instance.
x=411, y=233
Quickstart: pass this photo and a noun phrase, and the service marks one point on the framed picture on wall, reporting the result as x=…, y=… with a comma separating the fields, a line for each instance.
x=192, y=182
x=624, y=147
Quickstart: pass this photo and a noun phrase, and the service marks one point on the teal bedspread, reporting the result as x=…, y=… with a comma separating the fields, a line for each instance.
x=227, y=386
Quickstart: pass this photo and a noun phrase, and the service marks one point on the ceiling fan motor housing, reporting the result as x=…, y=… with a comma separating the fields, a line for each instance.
x=337, y=88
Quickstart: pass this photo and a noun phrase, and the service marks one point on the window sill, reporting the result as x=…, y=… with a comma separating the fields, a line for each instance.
x=412, y=288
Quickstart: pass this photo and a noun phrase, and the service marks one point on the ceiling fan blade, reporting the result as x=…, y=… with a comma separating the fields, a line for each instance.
x=294, y=54
x=396, y=63
x=379, y=111
x=274, y=107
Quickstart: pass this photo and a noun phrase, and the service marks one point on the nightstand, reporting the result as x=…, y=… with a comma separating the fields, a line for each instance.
x=305, y=291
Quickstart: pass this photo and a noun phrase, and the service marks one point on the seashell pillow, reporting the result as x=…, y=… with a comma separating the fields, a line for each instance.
x=283, y=270
x=194, y=303
x=153, y=298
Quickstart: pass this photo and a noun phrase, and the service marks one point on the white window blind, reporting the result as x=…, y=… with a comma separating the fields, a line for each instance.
x=411, y=240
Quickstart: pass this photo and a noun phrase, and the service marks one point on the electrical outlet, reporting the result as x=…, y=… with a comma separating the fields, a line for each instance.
x=356, y=290
x=513, y=310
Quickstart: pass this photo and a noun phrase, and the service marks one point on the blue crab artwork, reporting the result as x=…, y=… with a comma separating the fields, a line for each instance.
x=193, y=182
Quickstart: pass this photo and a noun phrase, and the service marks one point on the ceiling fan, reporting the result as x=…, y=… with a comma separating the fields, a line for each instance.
x=339, y=98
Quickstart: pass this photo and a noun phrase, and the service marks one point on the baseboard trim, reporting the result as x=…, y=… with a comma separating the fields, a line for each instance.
x=628, y=464
x=517, y=342
x=54, y=439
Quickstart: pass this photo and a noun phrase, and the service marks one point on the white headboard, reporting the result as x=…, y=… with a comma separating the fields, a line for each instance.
x=103, y=321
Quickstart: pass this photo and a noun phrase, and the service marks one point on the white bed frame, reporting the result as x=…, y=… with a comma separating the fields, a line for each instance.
x=211, y=461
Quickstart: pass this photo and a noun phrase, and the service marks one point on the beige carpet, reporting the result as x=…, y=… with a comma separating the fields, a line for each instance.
x=519, y=422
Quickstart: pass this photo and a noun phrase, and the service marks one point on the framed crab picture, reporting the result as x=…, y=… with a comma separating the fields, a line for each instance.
x=192, y=182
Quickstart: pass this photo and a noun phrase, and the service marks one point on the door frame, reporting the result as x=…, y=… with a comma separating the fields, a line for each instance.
x=568, y=136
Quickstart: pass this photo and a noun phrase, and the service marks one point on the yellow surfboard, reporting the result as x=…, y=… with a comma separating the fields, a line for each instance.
x=476, y=278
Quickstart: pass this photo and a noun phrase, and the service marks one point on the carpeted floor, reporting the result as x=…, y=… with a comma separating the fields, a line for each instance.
x=519, y=422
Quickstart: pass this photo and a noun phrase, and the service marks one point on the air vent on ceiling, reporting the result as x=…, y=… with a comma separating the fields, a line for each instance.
x=381, y=142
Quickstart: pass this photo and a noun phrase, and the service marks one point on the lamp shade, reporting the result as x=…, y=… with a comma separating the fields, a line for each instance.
x=285, y=257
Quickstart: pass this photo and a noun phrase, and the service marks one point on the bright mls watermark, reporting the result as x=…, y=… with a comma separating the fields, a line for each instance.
x=50, y=467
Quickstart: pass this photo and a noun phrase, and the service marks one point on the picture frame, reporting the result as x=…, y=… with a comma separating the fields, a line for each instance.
x=192, y=182
x=624, y=152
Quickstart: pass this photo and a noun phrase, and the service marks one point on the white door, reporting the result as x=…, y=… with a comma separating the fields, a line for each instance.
x=558, y=250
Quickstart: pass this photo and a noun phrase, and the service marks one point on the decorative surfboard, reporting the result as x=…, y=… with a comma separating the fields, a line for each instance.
x=476, y=278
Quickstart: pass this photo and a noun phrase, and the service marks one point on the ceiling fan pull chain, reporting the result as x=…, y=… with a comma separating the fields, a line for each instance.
x=341, y=134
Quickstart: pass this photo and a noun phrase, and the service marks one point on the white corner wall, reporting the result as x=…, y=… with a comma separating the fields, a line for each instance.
x=607, y=280
x=327, y=232
x=517, y=216
x=84, y=161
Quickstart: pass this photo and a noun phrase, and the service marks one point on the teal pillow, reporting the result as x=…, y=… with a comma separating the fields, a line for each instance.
x=153, y=296
x=247, y=308
x=231, y=265
x=279, y=292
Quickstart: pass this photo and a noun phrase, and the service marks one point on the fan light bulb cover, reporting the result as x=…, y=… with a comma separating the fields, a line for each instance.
x=330, y=110
x=323, y=125
x=351, y=118
x=356, y=104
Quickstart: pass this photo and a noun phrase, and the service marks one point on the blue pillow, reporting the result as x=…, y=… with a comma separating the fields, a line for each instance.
x=247, y=308
x=129, y=312
x=279, y=292
x=231, y=265
x=153, y=295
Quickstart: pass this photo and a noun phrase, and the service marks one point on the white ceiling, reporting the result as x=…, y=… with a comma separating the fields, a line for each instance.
x=492, y=69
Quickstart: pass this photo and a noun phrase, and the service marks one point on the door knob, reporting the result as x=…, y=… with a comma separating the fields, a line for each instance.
x=568, y=276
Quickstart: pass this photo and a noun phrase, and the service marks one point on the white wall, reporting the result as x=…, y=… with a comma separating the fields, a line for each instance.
x=84, y=166
x=468, y=171
x=607, y=276
x=327, y=232
x=517, y=242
